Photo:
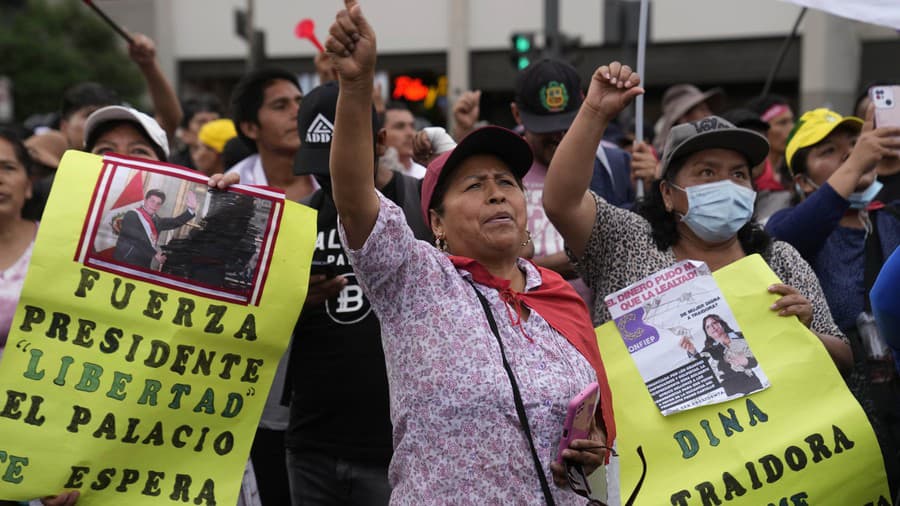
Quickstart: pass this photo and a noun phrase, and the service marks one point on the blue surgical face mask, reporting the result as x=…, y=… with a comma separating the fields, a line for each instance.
x=716, y=211
x=859, y=200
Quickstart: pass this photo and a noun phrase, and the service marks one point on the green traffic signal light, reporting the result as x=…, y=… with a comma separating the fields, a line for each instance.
x=523, y=62
x=522, y=49
x=523, y=45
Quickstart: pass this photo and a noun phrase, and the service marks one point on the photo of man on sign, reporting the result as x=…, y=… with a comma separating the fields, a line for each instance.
x=163, y=225
x=139, y=230
x=151, y=385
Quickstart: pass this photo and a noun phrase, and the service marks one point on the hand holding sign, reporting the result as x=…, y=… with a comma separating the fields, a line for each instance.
x=64, y=499
x=793, y=303
x=222, y=181
x=195, y=446
x=794, y=443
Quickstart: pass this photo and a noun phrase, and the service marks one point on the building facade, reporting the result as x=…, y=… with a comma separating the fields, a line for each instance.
x=728, y=43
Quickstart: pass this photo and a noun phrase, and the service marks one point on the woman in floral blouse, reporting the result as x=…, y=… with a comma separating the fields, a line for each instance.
x=458, y=437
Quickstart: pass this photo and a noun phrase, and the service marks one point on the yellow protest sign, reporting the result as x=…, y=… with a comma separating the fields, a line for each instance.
x=152, y=319
x=804, y=440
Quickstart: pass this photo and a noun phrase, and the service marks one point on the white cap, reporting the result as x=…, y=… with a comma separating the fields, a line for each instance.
x=119, y=112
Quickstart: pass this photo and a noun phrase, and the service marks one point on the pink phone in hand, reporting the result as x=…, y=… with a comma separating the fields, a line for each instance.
x=578, y=419
x=887, y=110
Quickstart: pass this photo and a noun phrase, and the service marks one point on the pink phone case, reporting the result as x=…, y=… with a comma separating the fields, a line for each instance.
x=578, y=418
x=887, y=110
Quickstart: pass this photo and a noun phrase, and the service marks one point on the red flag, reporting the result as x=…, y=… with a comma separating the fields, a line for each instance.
x=133, y=192
x=131, y=197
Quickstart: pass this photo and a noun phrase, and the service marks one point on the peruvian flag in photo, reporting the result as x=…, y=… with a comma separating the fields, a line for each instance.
x=876, y=12
x=131, y=198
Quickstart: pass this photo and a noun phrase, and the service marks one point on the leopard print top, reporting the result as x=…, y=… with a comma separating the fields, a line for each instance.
x=621, y=251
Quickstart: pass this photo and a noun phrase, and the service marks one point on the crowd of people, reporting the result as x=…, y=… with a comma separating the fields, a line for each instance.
x=478, y=259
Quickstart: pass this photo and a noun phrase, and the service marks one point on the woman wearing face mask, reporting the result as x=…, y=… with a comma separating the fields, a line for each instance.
x=701, y=210
x=846, y=236
x=833, y=167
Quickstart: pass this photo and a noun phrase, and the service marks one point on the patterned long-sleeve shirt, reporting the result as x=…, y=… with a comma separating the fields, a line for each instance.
x=457, y=438
x=621, y=251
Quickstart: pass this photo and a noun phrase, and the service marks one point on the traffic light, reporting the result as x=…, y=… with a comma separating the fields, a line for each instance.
x=523, y=49
x=256, y=39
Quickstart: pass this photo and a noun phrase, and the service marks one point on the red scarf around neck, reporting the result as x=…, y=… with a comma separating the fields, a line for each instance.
x=560, y=306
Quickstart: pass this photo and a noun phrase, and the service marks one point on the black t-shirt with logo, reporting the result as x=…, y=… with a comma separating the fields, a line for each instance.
x=339, y=403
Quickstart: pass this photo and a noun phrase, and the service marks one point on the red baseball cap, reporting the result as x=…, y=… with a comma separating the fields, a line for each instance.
x=505, y=144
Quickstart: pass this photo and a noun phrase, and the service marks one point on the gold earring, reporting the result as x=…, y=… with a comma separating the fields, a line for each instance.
x=527, y=239
x=440, y=243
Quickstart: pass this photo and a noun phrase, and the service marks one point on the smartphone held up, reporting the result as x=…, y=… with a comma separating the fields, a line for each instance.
x=887, y=111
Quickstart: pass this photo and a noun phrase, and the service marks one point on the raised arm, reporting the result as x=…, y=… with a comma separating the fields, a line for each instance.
x=567, y=199
x=873, y=144
x=466, y=111
x=166, y=106
x=351, y=44
x=807, y=225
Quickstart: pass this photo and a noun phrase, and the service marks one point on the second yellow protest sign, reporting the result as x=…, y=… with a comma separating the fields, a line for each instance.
x=804, y=440
x=151, y=323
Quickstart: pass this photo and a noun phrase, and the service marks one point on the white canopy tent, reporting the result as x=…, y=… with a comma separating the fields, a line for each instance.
x=876, y=12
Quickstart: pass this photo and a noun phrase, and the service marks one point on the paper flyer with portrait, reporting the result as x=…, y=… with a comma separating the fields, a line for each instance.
x=684, y=338
x=153, y=317
x=803, y=440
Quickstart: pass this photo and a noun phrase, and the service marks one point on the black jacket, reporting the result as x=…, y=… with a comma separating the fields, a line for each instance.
x=134, y=246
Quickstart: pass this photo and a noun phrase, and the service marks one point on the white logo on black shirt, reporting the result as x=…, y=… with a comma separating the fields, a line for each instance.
x=320, y=130
x=351, y=305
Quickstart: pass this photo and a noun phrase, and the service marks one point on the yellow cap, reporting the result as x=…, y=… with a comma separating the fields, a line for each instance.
x=216, y=133
x=813, y=127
